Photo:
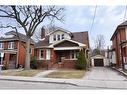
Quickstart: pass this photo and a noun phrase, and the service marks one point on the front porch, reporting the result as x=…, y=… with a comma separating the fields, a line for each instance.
x=9, y=60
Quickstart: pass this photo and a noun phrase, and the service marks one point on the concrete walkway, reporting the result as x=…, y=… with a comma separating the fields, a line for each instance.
x=44, y=73
x=98, y=77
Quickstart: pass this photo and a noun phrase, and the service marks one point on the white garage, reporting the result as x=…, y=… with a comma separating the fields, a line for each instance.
x=99, y=61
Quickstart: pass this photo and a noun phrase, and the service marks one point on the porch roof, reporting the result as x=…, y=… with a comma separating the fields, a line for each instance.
x=67, y=48
x=79, y=44
x=9, y=51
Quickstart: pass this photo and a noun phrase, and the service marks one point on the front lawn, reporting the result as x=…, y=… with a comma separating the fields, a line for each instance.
x=67, y=74
x=26, y=73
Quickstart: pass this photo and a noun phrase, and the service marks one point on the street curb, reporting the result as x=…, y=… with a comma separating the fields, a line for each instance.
x=121, y=72
x=38, y=81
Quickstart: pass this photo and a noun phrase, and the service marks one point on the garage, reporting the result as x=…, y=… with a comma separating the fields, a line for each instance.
x=98, y=61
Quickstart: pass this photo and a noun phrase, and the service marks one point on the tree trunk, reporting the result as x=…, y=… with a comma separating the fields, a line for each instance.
x=27, y=60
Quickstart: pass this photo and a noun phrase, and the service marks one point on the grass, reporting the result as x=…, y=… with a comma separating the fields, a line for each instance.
x=26, y=73
x=67, y=74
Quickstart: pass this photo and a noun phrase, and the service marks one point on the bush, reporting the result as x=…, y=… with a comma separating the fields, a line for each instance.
x=81, y=63
x=33, y=63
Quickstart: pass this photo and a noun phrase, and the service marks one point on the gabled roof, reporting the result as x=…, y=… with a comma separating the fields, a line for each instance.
x=61, y=29
x=81, y=37
x=78, y=37
x=22, y=37
x=119, y=26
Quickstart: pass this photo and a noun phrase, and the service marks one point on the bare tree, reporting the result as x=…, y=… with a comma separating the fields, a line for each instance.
x=99, y=42
x=29, y=18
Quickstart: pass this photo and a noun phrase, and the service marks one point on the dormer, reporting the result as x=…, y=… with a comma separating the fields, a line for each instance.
x=58, y=35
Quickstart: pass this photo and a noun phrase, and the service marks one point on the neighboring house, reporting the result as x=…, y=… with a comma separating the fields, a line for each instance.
x=13, y=47
x=111, y=55
x=119, y=44
x=59, y=48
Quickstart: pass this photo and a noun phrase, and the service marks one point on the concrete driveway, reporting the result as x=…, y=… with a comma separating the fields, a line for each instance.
x=103, y=73
x=103, y=77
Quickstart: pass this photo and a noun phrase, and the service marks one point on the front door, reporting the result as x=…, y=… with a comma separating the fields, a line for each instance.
x=12, y=61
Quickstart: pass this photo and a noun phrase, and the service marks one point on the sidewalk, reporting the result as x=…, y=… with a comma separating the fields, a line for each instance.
x=38, y=79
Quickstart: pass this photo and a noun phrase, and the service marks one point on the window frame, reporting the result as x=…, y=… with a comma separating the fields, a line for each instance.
x=54, y=37
x=58, y=37
x=62, y=36
x=1, y=45
x=74, y=54
x=11, y=45
x=40, y=56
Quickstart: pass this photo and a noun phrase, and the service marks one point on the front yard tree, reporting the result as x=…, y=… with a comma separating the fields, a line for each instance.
x=81, y=62
x=29, y=18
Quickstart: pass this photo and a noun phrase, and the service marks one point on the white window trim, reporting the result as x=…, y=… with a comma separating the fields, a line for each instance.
x=1, y=45
x=11, y=45
x=40, y=58
x=74, y=55
x=48, y=52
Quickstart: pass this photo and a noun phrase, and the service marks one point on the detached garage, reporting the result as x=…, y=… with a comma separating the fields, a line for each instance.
x=98, y=61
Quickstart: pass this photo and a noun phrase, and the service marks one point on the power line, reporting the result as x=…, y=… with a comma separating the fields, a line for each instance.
x=93, y=19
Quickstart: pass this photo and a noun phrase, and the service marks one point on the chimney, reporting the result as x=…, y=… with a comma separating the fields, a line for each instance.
x=42, y=33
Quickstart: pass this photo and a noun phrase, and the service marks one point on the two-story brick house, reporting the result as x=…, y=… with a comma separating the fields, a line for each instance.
x=59, y=48
x=13, y=47
x=119, y=44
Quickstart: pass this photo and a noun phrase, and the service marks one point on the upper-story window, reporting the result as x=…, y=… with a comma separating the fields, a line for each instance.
x=54, y=37
x=1, y=45
x=11, y=45
x=62, y=36
x=58, y=37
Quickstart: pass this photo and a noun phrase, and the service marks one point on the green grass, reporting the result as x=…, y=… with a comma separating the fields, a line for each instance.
x=26, y=73
x=67, y=74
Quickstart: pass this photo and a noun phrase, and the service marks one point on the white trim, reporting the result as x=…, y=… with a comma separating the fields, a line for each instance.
x=74, y=54
x=1, y=45
x=9, y=51
x=67, y=48
x=48, y=52
x=11, y=45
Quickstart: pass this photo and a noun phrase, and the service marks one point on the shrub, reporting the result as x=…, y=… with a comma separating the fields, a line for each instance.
x=33, y=63
x=81, y=62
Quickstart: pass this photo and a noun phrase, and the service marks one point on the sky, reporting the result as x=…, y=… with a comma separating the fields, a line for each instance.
x=79, y=18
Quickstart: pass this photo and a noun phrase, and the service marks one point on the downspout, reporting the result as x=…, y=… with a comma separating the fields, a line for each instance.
x=17, y=55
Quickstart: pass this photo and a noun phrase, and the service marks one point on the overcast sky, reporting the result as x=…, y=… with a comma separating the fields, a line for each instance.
x=79, y=18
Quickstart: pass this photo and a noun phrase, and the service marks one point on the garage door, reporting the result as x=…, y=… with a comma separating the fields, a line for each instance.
x=98, y=62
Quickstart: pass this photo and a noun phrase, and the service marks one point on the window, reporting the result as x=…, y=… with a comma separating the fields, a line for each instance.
x=62, y=36
x=11, y=45
x=73, y=55
x=30, y=51
x=1, y=45
x=54, y=37
x=58, y=37
x=41, y=54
